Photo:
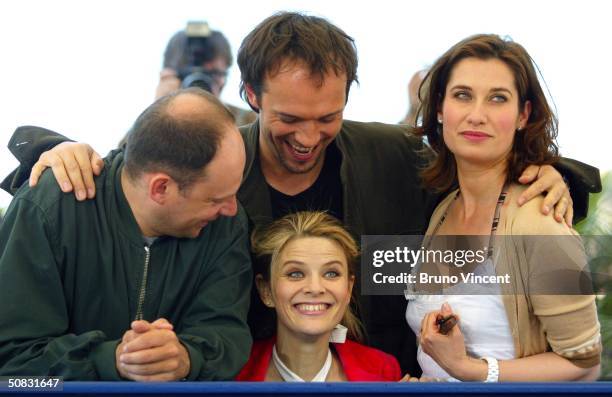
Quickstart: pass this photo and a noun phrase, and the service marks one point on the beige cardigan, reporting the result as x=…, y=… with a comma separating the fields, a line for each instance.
x=565, y=324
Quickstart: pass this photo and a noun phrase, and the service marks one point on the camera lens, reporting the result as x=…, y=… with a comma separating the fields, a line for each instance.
x=198, y=79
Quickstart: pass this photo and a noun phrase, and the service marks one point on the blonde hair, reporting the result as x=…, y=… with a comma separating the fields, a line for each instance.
x=268, y=242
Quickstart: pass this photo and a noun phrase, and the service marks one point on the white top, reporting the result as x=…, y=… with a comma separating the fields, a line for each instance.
x=483, y=322
x=290, y=376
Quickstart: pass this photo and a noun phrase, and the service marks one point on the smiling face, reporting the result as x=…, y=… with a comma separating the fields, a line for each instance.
x=299, y=116
x=186, y=212
x=311, y=287
x=480, y=112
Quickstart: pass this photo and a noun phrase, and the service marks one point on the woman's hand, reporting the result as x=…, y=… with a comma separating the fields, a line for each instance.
x=408, y=378
x=447, y=350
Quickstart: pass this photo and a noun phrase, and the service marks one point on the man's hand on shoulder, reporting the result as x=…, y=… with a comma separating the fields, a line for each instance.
x=152, y=352
x=547, y=179
x=74, y=166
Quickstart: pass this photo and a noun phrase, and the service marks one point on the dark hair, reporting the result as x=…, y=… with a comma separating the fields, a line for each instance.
x=533, y=144
x=176, y=55
x=180, y=145
x=322, y=46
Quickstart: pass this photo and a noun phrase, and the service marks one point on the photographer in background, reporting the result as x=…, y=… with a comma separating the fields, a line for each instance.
x=201, y=57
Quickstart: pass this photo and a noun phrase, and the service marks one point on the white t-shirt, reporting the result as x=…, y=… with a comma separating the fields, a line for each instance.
x=483, y=322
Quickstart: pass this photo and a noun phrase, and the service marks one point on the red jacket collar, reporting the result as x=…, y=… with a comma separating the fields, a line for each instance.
x=360, y=363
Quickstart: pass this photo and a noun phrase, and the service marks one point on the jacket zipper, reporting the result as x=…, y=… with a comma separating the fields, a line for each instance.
x=143, y=285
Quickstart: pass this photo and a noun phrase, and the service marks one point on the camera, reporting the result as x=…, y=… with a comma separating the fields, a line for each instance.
x=198, y=51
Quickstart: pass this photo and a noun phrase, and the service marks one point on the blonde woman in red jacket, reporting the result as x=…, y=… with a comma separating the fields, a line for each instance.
x=306, y=274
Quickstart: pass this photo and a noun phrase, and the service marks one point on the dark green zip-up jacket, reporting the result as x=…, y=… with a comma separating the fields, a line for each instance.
x=71, y=274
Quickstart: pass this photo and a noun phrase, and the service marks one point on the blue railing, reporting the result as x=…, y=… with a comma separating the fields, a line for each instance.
x=335, y=389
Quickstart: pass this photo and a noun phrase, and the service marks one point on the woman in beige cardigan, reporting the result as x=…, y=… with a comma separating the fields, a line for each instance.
x=486, y=116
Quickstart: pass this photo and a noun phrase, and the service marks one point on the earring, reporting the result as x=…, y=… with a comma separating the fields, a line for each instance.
x=268, y=302
x=439, y=120
x=519, y=128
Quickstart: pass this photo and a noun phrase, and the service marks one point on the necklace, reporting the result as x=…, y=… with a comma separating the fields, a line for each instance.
x=290, y=376
x=410, y=291
x=494, y=224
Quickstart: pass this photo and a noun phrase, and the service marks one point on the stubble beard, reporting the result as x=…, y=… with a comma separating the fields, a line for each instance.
x=286, y=164
x=293, y=170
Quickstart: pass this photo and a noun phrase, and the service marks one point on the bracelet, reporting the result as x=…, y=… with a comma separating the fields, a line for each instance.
x=492, y=369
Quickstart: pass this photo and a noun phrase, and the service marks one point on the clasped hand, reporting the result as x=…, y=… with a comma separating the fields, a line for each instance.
x=151, y=352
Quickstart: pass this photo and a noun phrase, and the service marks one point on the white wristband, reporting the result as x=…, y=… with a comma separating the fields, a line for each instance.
x=493, y=369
